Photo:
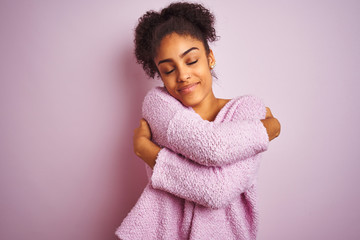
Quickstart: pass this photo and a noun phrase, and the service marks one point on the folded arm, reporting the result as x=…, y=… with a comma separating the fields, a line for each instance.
x=182, y=130
x=213, y=187
x=216, y=144
x=209, y=186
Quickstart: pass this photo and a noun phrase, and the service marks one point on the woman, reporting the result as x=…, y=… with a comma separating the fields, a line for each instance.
x=204, y=151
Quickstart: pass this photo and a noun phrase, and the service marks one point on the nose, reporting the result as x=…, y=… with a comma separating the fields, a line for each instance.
x=183, y=74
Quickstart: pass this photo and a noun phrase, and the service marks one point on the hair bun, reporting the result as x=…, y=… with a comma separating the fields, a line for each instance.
x=197, y=14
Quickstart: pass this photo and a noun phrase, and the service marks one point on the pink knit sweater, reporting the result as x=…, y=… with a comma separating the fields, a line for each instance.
x=203, y=185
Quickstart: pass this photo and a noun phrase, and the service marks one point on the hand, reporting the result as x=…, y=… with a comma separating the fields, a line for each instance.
x=142, y=131
x=143, y=146
x=271, y=124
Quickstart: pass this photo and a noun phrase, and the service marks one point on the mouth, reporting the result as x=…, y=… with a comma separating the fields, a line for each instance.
x=188, y=88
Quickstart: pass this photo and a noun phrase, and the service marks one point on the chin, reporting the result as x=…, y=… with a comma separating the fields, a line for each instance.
x=190, y=102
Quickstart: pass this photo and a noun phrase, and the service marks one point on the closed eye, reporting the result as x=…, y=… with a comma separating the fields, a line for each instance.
x=169, y=71
x=191, y=63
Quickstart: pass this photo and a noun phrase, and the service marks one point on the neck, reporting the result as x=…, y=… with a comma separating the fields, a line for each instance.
x=208, y=108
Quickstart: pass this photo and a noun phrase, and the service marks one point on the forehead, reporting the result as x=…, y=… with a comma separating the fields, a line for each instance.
x=175, y=44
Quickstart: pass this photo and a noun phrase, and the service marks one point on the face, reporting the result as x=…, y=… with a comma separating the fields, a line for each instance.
x=184, y=68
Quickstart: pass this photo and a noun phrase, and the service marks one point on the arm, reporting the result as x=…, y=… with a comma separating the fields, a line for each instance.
x=144, y=148
x=182, y=130
x=213, y=187
x=209, y=186
x=148, y=151
x=216, y=144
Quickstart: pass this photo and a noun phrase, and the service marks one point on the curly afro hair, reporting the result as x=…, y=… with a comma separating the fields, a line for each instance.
x=182, y=18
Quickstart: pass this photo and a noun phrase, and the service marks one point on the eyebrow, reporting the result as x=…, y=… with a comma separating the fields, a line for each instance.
x=181, y=55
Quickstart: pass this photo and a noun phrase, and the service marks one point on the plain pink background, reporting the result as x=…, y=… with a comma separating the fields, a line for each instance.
x=71, y=92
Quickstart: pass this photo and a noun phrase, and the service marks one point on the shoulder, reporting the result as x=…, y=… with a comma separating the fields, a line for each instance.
x=157, y=92
x=158, y=100
x=159, y=95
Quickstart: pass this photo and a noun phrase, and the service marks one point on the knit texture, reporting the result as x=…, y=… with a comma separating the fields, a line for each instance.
x=197, y=189
x=215, y=143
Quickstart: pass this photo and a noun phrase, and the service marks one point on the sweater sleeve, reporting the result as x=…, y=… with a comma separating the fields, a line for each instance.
x=216, y=144
x=213, y=187
x=183, y=131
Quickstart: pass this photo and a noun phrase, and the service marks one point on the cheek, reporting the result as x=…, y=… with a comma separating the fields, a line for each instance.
x=170, y=87
x=168, y=84
x=203, y=70
x=206, y=76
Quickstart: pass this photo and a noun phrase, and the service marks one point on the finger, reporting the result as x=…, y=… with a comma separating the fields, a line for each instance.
x=268, y=113
x=145, y=124
x=142, y=125
x=142, y=122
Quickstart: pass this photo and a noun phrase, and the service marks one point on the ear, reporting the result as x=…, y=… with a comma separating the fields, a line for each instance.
x=211, y=58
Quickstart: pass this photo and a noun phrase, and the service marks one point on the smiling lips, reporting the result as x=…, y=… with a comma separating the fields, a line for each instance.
x=188, y=88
